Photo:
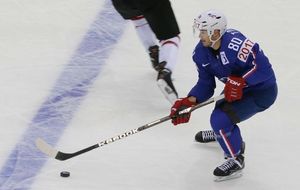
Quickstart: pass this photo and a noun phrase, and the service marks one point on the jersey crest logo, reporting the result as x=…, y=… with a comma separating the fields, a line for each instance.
x=224, y=58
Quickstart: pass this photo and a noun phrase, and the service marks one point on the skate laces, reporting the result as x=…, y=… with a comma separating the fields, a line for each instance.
x=208, y=135
x=229, y=164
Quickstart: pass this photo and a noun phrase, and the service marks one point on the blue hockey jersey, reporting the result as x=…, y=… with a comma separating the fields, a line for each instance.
x=237, y=56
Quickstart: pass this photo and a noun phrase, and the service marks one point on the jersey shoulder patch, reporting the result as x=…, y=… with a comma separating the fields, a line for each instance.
x=224, y=59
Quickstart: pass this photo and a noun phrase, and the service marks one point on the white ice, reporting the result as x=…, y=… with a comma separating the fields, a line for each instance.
x=38, y=39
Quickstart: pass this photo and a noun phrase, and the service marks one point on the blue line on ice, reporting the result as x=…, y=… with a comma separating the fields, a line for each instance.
x=25, y=161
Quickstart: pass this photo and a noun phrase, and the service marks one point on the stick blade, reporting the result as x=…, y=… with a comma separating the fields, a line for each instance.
x=45, y=148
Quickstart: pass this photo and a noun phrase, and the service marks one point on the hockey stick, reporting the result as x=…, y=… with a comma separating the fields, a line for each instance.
x=50, y=151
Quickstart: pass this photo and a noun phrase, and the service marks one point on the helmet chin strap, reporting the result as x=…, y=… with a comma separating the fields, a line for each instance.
x=213, y=42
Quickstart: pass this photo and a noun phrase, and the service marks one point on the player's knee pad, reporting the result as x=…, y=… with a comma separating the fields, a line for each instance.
x=220, y=121
x=227, y=133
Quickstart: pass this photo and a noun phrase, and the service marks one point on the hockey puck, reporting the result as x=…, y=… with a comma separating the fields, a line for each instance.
x=64, y=174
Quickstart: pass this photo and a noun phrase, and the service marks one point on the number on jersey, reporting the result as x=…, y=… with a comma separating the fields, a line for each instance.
x=244, y=50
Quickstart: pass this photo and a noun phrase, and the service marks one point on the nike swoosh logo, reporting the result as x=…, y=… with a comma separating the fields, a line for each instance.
x=204, y=65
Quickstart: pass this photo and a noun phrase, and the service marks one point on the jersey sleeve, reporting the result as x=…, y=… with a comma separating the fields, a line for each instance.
x=260, y=70
x=204, y=88
x=248, y=60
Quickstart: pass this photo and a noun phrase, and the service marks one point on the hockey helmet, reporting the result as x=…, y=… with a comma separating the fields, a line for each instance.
x=210, y=20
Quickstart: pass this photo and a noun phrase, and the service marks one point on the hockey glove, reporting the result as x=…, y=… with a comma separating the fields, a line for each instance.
x=178, y=106
x=234, y=88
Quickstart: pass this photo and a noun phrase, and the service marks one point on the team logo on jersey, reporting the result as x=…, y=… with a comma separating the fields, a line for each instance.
x=245, y=50
x=224, y=58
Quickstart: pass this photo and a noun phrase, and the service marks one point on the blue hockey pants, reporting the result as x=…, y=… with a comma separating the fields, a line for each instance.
x=225, y=117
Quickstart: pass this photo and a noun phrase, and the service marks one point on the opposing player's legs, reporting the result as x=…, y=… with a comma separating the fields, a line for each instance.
x=127, y=9
x=154, y=53
x=144, y=32
x=148, y=39
x=164, y=82
x=133, y=10
x=163, y=23
x=167, y=60
x=155, y=18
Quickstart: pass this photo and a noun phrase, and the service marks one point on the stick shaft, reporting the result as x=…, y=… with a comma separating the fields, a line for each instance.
x=156, y=122
x=47, y=149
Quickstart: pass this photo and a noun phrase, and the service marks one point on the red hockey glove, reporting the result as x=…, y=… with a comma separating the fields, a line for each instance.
x=178, y=106
x=234, y=88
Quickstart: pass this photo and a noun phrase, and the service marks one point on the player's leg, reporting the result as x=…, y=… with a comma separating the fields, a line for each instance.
x=227, y=133
x=224, y=119
x=129, y=10
x=148, y=38
x=162, y=21
x=229, y=137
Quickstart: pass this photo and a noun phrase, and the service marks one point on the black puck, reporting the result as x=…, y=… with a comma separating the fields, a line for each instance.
x=64, y=174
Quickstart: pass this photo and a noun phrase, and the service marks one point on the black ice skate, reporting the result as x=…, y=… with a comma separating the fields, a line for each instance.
x=205, y=136
x=153, y=53
x=165, y=84
x=230, y=169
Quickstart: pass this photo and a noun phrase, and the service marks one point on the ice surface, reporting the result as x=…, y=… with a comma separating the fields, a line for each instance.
x=47, y=50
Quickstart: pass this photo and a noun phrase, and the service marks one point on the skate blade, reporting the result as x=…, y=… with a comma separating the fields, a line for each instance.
x=235, y=175
x=167, y=91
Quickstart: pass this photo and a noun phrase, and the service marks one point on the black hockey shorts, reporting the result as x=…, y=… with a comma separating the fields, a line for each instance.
x=158, y=13
x=162, y=21
x=126, y=8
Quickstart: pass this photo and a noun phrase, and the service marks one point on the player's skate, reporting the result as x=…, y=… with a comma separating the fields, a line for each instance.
x=153, y=53
x=165, y=84
x=205, y=136
x=230, y=169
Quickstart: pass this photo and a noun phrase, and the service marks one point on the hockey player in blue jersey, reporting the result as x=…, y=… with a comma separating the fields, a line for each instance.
x=250, y=87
